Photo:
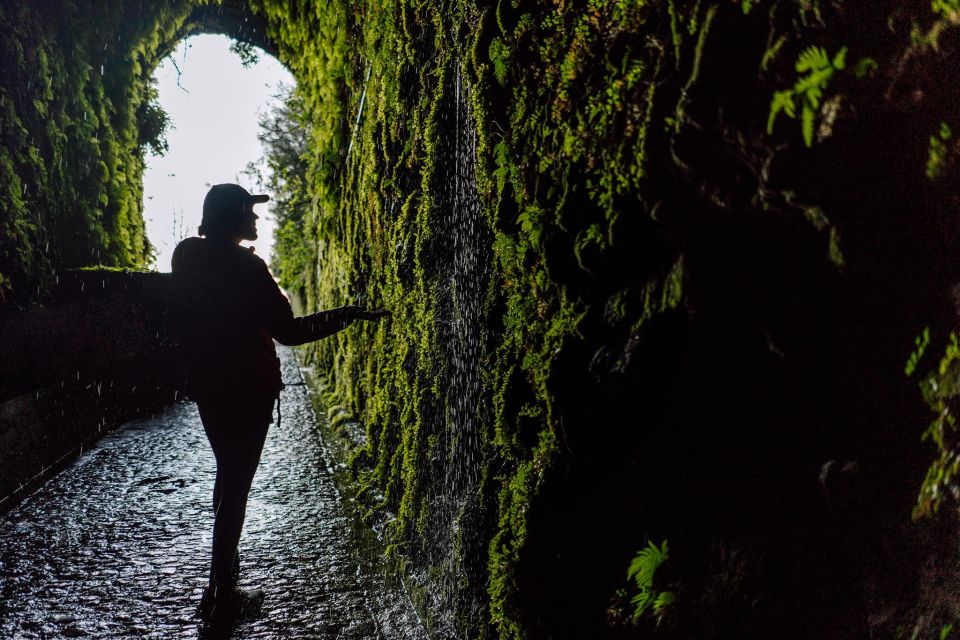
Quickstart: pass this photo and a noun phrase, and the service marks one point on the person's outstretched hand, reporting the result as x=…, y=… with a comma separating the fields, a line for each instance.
x=370, y=314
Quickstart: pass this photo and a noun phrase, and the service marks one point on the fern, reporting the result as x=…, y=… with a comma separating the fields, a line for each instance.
x=812, y=59
x=807, y=92
x=646, y=562
x=782, y=101
x=806, y=126
x=531, y=224
x=664, y=599
x=642, y=571
x=499, y=56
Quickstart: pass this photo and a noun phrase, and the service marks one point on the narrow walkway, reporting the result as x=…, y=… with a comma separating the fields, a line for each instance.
x=118, y=544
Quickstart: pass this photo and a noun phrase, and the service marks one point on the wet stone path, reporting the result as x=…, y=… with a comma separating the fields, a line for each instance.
x=118, y=544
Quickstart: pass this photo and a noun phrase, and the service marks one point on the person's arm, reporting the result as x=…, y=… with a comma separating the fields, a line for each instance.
x=295, y=331
x=288, y=330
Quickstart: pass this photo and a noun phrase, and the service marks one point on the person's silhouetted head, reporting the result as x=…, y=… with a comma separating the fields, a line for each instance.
x=228, y=213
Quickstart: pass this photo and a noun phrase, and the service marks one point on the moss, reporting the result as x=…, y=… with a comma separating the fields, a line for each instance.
x=556, y=115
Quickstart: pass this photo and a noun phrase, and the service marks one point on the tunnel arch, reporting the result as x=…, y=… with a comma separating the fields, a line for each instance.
x=233, y=19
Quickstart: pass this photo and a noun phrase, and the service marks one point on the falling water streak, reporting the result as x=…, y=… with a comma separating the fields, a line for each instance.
x=470, y=271
x=363, y=98
x=462, y=261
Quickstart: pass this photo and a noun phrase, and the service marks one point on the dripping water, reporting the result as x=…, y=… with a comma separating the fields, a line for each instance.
x=455, y=550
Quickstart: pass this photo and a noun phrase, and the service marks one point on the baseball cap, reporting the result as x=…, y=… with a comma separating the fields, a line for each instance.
x=224, y=203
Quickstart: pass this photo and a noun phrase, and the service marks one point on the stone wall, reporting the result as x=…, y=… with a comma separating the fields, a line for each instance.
x=94, y=357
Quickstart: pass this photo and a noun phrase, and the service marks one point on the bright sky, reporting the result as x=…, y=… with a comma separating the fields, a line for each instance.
x=214, y=109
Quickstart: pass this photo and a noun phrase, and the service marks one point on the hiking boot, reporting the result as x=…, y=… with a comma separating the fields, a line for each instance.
x=206, y=600
x=228, y=603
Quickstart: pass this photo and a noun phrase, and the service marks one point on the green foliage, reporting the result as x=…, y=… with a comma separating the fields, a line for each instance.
x=285, y=138
x=577, y=118
x=249, y=54
x=643, y=571
x=920, y=347
x=372, y=220
x=941, y=390
x=499, y=57
x=947, y=9
x=152, y=123
x=807, y=93
x=938, y=155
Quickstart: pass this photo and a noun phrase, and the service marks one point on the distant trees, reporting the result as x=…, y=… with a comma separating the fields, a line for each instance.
x=284, y=134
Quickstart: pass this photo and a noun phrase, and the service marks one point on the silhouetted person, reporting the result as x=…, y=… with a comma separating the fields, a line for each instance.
x=226, y=311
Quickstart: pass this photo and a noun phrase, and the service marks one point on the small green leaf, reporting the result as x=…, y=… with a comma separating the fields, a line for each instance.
x=866, y=67
x=840, y=59
x=807, y=118
x=664, y=600
x=921, y=343
x=812, y=58
x=813, y=97
x=782, y=101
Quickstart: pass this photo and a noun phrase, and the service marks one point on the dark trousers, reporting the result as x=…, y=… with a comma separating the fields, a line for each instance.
x=236, y=428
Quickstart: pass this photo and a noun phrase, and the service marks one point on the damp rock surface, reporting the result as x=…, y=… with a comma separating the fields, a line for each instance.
x=118, y=544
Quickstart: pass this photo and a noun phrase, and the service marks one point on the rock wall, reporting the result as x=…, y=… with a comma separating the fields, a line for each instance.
x=708, y=235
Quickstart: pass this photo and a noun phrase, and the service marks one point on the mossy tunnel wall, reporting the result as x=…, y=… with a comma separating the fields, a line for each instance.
x=663, y=270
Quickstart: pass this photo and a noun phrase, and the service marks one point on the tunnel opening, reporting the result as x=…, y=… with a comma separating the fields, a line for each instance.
x=226, y=102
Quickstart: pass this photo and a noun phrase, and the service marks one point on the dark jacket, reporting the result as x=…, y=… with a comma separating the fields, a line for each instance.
x=225, y=312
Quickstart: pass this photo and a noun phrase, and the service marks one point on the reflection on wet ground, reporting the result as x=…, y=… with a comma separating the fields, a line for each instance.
x=118, y=544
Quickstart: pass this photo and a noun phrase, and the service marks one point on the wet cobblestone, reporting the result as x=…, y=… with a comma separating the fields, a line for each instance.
x=118, y=544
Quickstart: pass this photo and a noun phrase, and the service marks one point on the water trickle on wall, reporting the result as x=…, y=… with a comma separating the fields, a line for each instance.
x=456, y=543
